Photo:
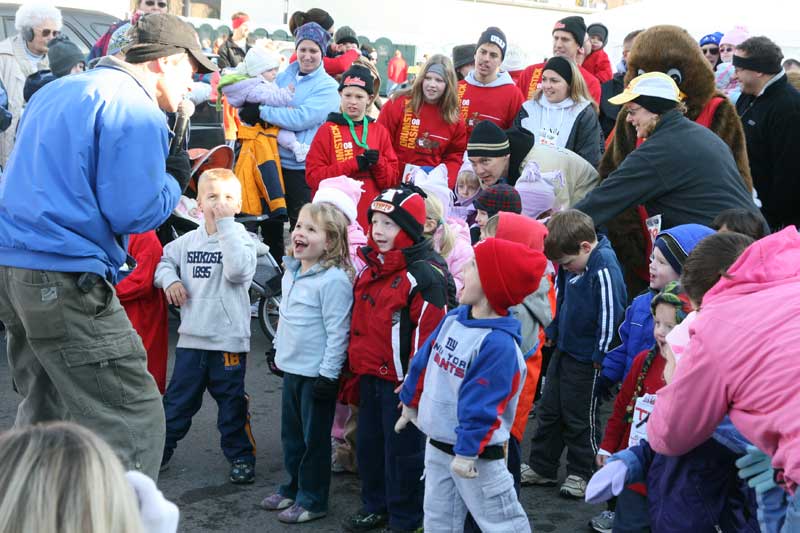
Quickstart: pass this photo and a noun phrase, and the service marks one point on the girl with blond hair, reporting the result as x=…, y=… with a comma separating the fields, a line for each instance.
x=561, y=113
x=424, y=122
x=311, y=346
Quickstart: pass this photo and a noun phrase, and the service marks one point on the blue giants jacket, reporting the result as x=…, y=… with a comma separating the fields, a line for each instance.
x=87, y=169
x=589, y=306
x=470, y=373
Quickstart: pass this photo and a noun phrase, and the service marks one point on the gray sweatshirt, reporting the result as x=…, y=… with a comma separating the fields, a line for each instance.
x=216, y=271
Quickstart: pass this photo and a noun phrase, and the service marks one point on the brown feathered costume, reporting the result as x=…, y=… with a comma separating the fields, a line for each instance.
x=671, y=50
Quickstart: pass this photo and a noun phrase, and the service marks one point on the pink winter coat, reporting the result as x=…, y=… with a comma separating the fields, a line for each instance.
x=356, y=239
x=461, y=252
x=743, y=359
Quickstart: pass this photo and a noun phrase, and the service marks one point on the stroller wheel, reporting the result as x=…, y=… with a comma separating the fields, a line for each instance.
x=268, y=315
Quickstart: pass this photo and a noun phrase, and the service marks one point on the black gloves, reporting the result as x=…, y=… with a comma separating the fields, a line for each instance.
x=367, y=159
x=326, y=388
x=271, y=363
x=250, y=114
x=603, y=389
x=180, y=168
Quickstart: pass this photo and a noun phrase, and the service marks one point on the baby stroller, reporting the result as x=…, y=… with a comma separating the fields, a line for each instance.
x=265, y=289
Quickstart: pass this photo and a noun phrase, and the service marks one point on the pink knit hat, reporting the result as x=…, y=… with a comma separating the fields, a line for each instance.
x=736, y=36
x=343, y=192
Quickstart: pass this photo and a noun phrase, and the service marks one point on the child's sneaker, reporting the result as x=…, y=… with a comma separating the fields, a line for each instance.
x=603, y=523
x=363, y=521
x=297, y=515
x=165, y=460
x=528, y=476
x=573, y=487
x=276, y=502
x=242, y=472
x=300, y=151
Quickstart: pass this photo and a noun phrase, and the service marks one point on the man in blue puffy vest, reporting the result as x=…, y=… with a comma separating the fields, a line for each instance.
x=91, y=166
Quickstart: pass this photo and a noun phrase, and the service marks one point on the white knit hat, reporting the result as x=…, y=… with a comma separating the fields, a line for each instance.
x=258, y=60
x=342, y=192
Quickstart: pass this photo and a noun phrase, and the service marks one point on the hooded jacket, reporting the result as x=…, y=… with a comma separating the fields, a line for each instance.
x=315, y=96
x=398, y=300
x=498, y=101
x=742, y=360
x=334, y=152
x=113, y=183
x=424, y=139
x=636, y=331
x=683, y=171
x=467, y=378
x=589, y=306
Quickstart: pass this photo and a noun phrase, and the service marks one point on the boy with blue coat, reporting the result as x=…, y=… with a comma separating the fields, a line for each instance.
x=462, y=390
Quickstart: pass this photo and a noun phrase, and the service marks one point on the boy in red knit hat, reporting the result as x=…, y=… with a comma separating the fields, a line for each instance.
x=399, y=298
x=465, y=381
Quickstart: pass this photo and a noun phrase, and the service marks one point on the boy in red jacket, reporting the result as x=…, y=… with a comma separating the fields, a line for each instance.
x=145, y=304
x=596, y=60
x=352, y=144
x=399, y=299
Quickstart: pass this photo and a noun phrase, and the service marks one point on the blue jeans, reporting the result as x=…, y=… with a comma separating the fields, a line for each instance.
x=390, y=464
x=222, y=373
x=631, y=514
x=306, y=437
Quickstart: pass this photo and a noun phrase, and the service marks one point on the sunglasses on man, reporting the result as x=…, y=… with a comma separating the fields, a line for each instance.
x=47, y=32
x=151, y=3
x=711, y=51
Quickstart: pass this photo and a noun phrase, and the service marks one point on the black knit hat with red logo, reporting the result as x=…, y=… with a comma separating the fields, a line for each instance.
x=358, y=76
x=499, y=197
x=405, y=205
x=574, y=25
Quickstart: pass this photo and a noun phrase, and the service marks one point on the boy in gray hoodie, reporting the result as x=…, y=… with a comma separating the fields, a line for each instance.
x=207, y=272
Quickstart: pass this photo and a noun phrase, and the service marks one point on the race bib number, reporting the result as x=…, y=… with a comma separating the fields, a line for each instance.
x=641, y=412
x=547, y=137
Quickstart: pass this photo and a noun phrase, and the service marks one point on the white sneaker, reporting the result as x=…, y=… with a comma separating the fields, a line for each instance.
x=528, y=476
x=573, y=487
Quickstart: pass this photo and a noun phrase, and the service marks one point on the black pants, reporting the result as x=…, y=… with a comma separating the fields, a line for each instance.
x=298, y=194
x=566, y=415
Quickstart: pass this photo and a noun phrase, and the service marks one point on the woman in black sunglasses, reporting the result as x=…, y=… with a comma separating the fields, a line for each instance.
x=152, y=6
x=710, y=47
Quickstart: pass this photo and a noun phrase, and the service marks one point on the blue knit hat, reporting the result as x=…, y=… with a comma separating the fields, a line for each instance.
x=711, y=38
x=676, y=243
x=312, y=31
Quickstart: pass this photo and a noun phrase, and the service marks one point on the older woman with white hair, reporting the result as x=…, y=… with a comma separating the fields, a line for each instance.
x=23, y=54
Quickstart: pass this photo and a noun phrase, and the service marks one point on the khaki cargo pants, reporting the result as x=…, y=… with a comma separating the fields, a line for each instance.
x=75, y=356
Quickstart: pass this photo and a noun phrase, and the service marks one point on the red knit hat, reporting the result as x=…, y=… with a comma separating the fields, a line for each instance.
x=509, y=271
x=521, y=229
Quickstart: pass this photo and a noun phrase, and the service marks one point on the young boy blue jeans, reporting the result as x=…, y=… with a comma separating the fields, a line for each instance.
x=390, y=464
x=306, y=437
x=222, y=373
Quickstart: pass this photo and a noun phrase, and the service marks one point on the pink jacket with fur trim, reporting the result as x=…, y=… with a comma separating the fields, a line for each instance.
x=461, y=252
x=743, y=359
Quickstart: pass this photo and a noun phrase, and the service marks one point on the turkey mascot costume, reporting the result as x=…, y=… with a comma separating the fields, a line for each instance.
x=671, y=50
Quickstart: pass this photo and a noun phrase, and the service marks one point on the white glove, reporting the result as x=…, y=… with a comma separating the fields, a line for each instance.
x=464, y=466
x=409, y=414
x=159, y=515
x=606, y=482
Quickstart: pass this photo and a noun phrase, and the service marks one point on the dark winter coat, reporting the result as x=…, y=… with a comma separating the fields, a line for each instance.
x=230, y=54
x=585, y=137
x=771, y=123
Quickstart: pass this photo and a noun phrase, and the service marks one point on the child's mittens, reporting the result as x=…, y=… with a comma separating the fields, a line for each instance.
x=158, y=514
x=464, y=466
x=607, y=482
x=300, y=151
x=325, y=388
x=409, y=414
x=756, y=467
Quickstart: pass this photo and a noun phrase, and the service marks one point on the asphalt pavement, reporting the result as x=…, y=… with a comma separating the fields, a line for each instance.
x=197, y=480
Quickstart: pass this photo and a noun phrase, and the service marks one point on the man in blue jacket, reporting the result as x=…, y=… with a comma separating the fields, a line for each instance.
x=87, y=170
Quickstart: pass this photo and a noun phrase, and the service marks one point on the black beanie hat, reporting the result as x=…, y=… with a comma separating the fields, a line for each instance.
x=561, y=66
x=574, y=25
x=494, y=35
x=488, y=140
x=405, y=205
x=463, y=54
x=599, y=30
x=63, y=54
x=358, y=76
x=36, y=81
x=345, y=34
x=521, y=142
